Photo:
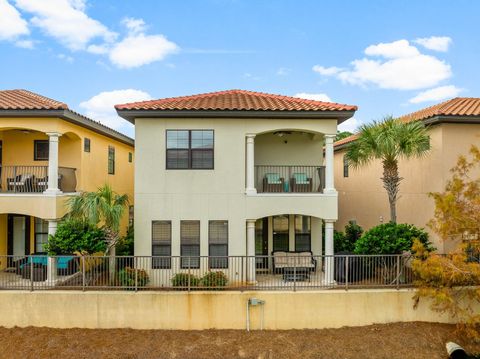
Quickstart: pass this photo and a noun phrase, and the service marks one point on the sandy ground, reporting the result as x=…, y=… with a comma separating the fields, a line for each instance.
x=400, y=340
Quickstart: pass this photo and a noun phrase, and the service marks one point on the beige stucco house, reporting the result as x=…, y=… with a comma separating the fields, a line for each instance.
x=234, y=173
x=453, y=126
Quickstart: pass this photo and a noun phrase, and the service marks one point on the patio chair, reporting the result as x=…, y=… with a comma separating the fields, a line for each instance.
x=300, y=182
x=272, y=182
x=20, y=183
x=41, y=184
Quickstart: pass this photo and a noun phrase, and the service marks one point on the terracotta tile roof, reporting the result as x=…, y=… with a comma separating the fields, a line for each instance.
x=236, y=100
x=26, y=100
x=458, y=106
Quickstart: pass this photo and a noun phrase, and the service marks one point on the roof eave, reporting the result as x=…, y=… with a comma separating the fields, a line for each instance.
x=72, y=117
x=130, y=115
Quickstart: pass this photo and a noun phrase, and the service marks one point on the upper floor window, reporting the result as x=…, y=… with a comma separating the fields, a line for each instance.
x=189, y=149
x=130, y=157
x=111, y=160
x=86, y=145
x=40, y=150
x=345, y=166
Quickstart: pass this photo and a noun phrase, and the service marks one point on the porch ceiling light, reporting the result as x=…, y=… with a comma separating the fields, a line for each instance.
x=282, y=133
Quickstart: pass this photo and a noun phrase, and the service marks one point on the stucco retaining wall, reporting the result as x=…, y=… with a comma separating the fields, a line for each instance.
x=205, y=310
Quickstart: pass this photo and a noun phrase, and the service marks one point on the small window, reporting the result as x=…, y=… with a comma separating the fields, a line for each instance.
x=111, y=160
x=345, y=166
x=40, y=152
x=218, y=244
x=302, y=234
x=189, y=149
x=131, y=214
x=130, y=157
x=161, y=244
x=190, y=244
x=280, y=233
x=41, y=234
x=86, y=145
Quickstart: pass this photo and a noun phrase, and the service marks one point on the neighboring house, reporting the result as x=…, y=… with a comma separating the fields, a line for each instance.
x=233, y=173
x=453, y=127
x=49, y=153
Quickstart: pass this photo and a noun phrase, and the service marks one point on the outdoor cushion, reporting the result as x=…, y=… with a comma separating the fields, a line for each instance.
x=273, y=178
x=300, y=178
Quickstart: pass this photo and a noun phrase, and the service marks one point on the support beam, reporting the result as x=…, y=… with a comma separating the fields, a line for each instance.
x=52, y=263
x=329, y=259
x=250, y=165
x=250, y=264
x=53, y=138
x=329, y=168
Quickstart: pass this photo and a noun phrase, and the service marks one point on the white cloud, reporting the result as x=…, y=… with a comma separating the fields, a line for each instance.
x=314, y=96
x=326, y=71
x=101, y=107
x=98, y=49
x=283, y=71
x=26, y=44
x=436, y=43
x=134, y=25
x=12, y=25
x=436, y=94
x=402, y=67
x=67, y=58
x=350, y=125
x=66, y=21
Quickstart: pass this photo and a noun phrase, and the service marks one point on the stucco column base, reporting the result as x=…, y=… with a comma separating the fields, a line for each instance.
x=52, y=191
x=250, y=191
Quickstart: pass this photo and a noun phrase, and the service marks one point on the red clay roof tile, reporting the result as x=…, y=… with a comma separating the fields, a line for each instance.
x=26, y=100
x=236, y=100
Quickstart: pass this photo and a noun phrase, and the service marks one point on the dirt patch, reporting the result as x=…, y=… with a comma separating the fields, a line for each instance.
x=399, y=340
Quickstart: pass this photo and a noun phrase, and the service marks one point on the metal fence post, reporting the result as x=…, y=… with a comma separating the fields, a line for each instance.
x=83, y=273
x=136, y=273
x=295, y=275
x=398, y=272
x=346, y=271
x=30, y=259
x=188, y=275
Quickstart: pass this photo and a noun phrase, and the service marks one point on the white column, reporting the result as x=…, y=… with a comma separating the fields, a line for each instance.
x=329, y=260
x=329, y=175
x=52, y=264
x=250, y=250
x=53, y=163
x=250, y=167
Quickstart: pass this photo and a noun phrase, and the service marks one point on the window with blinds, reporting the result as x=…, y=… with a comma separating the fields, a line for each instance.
x=302, y=233
x=111, y=160
x=218, y=244
x=190, y=149
x=345, y=166
x=161, y=244
x=190, y=244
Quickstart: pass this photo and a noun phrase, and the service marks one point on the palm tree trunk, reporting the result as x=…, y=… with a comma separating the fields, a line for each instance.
x=391, y=182
x=111, y=237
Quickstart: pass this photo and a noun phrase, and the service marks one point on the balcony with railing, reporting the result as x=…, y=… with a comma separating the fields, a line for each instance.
x=34, y=179
x=289, y=179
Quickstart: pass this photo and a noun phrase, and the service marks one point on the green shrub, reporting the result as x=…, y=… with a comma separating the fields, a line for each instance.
x=391, y=238
x=214, y=279
x=124, y=246
x=126, y=277
x=345, y=242
x=76, y=236
x=181, y=280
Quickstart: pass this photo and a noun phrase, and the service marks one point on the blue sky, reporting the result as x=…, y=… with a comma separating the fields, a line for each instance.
x=387, y=57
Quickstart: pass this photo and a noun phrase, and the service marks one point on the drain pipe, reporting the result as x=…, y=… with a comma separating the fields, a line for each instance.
x=253, y=302
x=455, y=351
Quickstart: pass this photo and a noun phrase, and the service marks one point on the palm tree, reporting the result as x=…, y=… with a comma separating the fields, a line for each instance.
x=105, y=207
x=389, y=140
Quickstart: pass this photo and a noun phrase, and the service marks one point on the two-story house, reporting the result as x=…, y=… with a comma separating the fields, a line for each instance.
x=49, y=153
x=233, y=173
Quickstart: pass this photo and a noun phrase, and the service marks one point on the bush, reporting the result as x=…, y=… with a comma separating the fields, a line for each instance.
x=126, y=277
x=391, y=238
x=345, y=242
x=214, y=279
x=76, y=236
x=124, y=246
x=181, y=280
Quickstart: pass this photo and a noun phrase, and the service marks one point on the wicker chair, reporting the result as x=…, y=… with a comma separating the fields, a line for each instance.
x=301, y=183
x=272, y=182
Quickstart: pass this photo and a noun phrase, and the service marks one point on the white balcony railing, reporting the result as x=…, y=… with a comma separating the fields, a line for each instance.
x=289, y=179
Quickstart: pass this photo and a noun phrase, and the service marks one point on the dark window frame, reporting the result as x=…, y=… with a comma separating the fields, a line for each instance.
x=37, y=233
x=309, y=234
x=86, y=145
x=190, y=150
x=130, y=157
x=218, y=263
x=35, y=155
x=345, y=166
x=158, y=262
x=111, y=151
x=189, y=263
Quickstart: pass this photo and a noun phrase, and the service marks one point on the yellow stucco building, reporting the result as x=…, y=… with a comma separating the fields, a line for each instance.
x=49, y=153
